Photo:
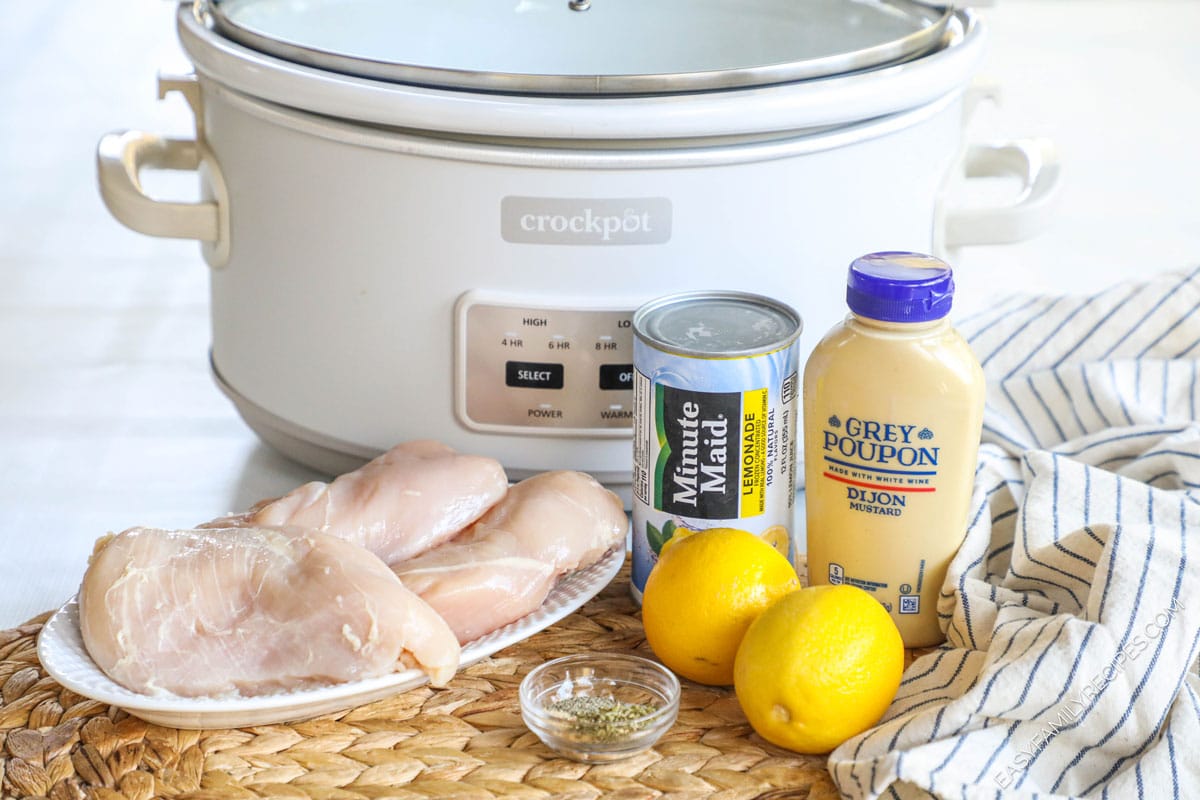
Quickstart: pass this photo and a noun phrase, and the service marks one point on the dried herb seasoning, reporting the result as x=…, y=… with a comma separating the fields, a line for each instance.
x=602, y=719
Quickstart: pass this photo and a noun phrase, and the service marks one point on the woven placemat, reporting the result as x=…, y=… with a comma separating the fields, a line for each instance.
x=466, y=740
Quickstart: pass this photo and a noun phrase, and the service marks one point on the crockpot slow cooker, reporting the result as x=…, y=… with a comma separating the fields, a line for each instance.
x=436, y=219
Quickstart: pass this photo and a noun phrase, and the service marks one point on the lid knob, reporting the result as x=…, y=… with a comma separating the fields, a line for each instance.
x=900, y=287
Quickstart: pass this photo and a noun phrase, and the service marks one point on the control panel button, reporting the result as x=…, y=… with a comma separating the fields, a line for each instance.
x=531, y=375
x=542, y=370
x=616, y=376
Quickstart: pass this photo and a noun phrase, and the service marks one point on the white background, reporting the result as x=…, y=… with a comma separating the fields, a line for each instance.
x=108, y=417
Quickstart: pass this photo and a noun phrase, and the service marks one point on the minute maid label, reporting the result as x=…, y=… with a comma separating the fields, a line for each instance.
x=712, y=453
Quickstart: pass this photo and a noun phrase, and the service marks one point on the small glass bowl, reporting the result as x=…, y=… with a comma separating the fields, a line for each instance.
x=608, y=677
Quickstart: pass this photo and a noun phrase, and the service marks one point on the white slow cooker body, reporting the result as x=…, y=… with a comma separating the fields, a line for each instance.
x=334, y=318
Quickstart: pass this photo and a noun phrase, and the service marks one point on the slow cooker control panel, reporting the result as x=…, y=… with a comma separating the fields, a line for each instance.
x=538, y=369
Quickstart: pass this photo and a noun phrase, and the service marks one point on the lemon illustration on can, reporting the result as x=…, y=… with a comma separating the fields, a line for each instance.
x=777, y=536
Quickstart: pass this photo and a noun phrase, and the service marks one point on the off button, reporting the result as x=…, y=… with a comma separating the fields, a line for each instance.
x=616, y=376
x=530, y=375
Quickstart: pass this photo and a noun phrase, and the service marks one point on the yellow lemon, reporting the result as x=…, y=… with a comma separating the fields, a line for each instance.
x=819, y=666
x=777, y=537
x=704, y=592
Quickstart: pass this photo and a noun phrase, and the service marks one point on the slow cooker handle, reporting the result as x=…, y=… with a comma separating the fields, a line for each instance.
x=120, y=158
x=1032, y=161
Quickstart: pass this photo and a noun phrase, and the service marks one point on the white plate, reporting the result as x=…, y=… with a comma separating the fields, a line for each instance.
x=61, y=651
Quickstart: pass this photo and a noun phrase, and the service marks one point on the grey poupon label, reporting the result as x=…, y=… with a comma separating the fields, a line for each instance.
x=585, y=221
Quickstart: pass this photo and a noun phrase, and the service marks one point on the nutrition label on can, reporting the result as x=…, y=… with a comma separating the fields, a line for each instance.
x=641, y=438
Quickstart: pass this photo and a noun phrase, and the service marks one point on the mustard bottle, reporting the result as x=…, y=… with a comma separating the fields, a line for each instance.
x=893, y=409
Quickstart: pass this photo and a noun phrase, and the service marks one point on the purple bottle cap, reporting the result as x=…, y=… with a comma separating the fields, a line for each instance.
x=900, y=287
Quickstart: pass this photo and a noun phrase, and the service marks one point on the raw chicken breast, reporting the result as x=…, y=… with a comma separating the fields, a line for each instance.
x=479, y=595
x=408, y=500
x=503, y=566
x=250, y=611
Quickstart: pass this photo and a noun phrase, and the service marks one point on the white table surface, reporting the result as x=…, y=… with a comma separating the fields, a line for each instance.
x=108, y=417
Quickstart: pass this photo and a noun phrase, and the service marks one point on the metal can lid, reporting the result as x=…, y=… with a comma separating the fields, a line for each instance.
x=717, y=324
x=900, y=287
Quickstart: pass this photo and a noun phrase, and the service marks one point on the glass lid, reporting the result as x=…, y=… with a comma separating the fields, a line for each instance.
x=592, y=47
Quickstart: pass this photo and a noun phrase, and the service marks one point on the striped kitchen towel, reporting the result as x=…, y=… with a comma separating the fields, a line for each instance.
x=1072, y=613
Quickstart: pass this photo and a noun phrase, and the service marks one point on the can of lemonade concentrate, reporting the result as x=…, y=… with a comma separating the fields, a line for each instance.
x=715, y=420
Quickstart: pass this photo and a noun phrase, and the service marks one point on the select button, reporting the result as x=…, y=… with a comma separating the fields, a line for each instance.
x=616, y=376
x=529, y=375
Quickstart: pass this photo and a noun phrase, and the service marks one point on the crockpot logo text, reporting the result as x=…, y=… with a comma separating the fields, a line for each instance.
x=588, y=222
x=585, y=221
